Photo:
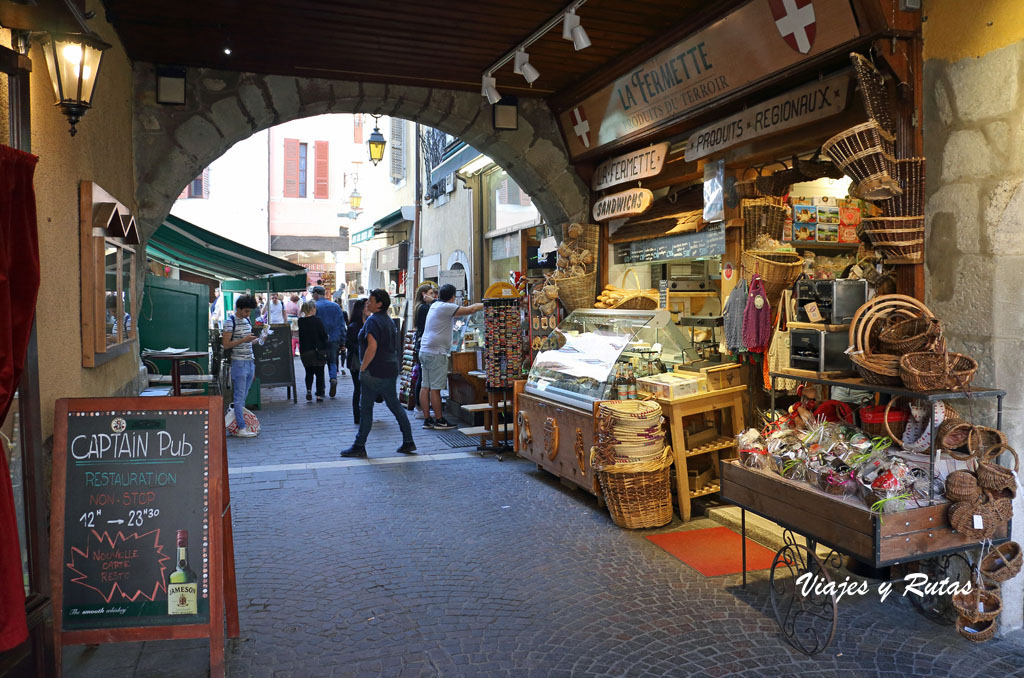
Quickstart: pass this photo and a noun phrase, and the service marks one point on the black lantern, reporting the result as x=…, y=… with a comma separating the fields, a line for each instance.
x=376, y=143
x=74, y=62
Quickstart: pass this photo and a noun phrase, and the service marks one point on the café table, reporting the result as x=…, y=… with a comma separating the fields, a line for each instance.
x=175, y=359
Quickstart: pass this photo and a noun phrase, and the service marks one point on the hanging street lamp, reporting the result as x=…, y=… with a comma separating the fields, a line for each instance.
x=355, y=200
x=73, y=61
x=376, y=143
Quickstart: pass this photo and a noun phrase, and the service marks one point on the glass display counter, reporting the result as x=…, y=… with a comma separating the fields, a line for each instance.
x=593, y=343
x=468, y=332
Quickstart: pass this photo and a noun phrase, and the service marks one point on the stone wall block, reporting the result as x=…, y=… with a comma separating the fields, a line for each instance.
x=1010, y=370
x=198, y=136
x=998, y=134
x=1006, y=234
x=980, y=348
x=227, y=115
x=547, y=157
x=972, y=284
x=967, y=156
x=256, y=105
x=1008, y=297
x=284, y=96
x=961, y=200
x=943, y=105
x=314, y=95
x=344, y=90
x=985, y=88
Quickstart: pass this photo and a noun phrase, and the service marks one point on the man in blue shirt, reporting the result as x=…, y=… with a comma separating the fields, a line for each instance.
x=330, y=315
x=378, y=374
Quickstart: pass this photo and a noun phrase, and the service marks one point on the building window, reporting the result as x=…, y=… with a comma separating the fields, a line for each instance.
x=397, y=144
x=357, y=128
x=302, y=169
x=198, y=187
x=321, y=170
x=507, y=205
x=295, y=156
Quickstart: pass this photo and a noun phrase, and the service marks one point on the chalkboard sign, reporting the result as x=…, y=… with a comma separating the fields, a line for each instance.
x=274, y=361
x=706, y=243
x=137, y=540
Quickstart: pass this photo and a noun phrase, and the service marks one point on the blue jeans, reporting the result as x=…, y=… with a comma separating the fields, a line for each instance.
x=242, y=374
x=371, y=387
x=332, y=359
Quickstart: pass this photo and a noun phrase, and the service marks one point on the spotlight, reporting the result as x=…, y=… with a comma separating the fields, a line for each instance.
x=488, y=90
x=522, y=66
x=571, y=30
x=227, y=51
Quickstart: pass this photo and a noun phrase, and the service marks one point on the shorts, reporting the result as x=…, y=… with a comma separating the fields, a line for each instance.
x=435, y=370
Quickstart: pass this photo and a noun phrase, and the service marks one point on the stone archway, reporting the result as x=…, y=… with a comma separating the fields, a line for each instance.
x=174, y=143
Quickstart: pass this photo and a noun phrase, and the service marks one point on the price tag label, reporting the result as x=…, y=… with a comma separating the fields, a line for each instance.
x=856, y=272
x=812, y=312
x=979, y=524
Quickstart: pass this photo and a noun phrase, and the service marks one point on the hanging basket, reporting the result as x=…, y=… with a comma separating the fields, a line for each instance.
x=1002, y=562
x=937, y=371
x=976, y=631
x=910, y=176
x=578, y=292
x=910, y=335
x=638, y=495
x=762, y=215
x=962, y=486
x=778, y=270
x=817, y=167
x=963, y=440
x=992, y=476
x=865, y=154
x=978, y=604
x=873, y=91
x=961, y=519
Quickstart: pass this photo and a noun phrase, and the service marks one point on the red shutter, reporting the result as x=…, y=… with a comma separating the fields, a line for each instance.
x=291, y=168
x=321, y=170
x=357, y=128
x=184, y=192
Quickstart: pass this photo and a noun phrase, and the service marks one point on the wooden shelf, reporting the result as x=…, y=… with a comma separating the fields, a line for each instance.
x=715, y=445
x=800, y=244
x=484, y=430
x=484, y=407
x=707, y=489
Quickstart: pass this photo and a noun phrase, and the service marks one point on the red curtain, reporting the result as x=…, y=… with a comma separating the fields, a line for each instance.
x=19, y=284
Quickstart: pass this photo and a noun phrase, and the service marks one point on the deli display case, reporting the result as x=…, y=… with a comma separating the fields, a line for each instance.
x=591, y=351
x=468, y=332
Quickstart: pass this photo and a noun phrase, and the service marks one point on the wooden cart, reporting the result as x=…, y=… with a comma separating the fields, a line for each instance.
x=847, y=527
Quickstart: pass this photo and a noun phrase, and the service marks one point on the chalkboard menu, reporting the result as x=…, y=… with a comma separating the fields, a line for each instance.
x=274, y=364
x=136, y=504
x=141, y=543
x=706, y=243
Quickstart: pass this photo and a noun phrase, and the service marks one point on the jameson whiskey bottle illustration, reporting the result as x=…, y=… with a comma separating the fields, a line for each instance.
x=182, y=584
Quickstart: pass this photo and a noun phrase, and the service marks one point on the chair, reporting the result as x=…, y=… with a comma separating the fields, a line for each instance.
x=191, y=367
x=151, y=367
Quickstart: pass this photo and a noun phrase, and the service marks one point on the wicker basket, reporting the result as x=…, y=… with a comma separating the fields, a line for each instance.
x=777, y=183
x=762, y=215
x=778, y=270
x=638, y=495
x=962, y=486
x=978, y=604
x=877, y=421
x=976, y=631
x=1002, y=562
x=880, y=370
x=961, y=518
x=873, y=92
x=937, y=371
x=910, y=176
x=639, y=299
x=578, y=292
x=992, y=476
x=963, y=440
x=865, y=154
x=911, y=335
x=816, y=167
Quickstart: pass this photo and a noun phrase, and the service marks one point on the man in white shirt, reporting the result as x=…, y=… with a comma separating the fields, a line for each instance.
x=435, y=346
x=274, y=310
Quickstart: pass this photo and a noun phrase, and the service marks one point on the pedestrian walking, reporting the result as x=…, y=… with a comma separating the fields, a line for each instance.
x=330, y=314
x=312, y=349
x=378, y=373
x=238, y=337
x=355, y=323
x=274, y=310
x=435, y=346
x=426, y=293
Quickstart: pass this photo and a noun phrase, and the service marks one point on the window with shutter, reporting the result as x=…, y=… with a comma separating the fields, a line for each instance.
x=321, y=170
x=503, y=193
x=195, y=188
x=524, y=199
x=291, y=168
x=206, y=183
x=357, y=128
x=397, y=144
x=184, y=192
x=303, y=167
x=449, y=183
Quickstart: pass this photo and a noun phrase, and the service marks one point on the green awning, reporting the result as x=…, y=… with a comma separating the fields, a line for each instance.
x=402, y=215
x=196, y=250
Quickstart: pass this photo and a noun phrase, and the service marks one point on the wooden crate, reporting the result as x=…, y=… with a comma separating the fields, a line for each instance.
x=847, y=526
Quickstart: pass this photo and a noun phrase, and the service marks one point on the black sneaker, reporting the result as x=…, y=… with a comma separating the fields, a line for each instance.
x=428, y=423
x=356, y=451
x=407, y=448
x=309, y=395
x=442, y=424
x=334, y=387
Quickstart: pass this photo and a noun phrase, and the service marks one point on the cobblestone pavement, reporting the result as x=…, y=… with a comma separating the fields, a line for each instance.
x=442, y=566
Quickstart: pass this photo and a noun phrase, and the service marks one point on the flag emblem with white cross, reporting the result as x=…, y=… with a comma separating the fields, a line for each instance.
x=795, y=21
x=580, y=125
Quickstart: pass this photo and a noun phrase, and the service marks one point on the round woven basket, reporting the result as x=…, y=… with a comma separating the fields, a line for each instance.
x=976, y=631
x=878, y=369
x=961, y=519
x=1002, y=562
x=638, y=495
x=978, y=604
x=778, y=270
x=911, y=335
x=963, y=440
x=578, y=292
x=992, y=476
x=962, y=486
x=937, y=371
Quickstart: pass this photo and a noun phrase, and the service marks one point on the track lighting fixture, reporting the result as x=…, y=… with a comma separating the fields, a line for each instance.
x=521, y=66
x=488, y=89
x=572, y=30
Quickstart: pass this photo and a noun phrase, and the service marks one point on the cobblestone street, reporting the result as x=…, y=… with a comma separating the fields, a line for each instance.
x=448, y=564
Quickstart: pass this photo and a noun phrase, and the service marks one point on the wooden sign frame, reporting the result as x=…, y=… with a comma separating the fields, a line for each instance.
x=223, y=596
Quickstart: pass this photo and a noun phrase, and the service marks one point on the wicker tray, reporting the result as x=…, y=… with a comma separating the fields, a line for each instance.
x=638, y=495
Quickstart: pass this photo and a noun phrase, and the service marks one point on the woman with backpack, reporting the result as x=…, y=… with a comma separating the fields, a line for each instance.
x=355, y=324
x=312, y=349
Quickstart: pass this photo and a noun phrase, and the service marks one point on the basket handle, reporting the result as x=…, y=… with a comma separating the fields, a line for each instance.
x=635, y=277
x=994, y=451
x=885, y=420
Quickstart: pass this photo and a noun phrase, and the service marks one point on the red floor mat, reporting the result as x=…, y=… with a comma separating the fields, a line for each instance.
x=714, y=551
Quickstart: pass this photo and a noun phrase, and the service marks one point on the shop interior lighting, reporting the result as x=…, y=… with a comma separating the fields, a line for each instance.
x=521, y=66
x=571, y=30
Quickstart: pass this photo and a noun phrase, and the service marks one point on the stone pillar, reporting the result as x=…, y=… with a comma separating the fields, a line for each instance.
x=973, y=132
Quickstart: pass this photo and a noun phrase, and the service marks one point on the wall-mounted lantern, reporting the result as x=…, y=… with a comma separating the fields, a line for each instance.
x=73, y=61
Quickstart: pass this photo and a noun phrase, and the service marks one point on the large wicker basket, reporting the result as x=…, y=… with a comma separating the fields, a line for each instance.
x=638, y=495
x=578, y=292
x=865, y=154
x=762, y=215
x=778, y=270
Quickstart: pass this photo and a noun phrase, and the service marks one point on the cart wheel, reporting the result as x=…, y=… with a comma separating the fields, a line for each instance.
x=808, y=623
